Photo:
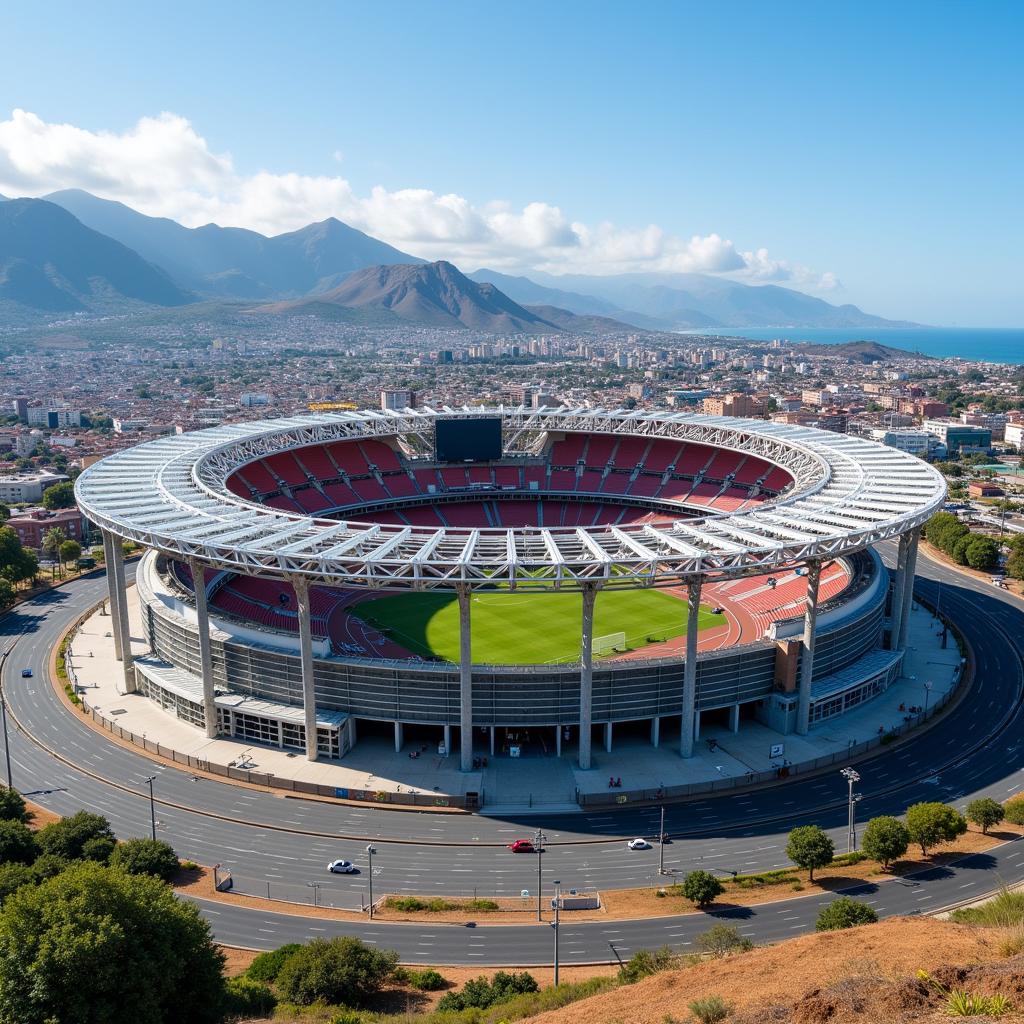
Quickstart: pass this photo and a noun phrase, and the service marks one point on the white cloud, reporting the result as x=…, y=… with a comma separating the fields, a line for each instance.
x=163, y=167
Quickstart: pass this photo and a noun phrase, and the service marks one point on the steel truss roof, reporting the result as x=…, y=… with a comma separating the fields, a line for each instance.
x=170, y=494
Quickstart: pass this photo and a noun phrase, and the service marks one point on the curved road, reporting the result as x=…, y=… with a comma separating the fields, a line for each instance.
x=267, y=839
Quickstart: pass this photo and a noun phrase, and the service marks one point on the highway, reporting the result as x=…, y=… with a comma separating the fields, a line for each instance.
x=267, y=839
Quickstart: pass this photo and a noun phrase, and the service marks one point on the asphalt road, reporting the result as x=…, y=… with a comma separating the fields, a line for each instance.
x=284, y=843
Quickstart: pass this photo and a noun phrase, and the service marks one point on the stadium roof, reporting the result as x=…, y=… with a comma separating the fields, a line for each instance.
x=171, y=494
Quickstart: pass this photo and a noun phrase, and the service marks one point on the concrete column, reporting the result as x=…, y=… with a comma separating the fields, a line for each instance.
x=908, y=588
x=608, y=737
x=558, y=741
x=205, y=652
x=306, y=656
x=465, y=681
x=447, y=733
x=734, y=718
x=121, y=594
x=399, y=737
x=587, y=673
x=280, y=733
x=899, y=580
x=686, y=735
x=803, y=709
x=655, y=731
x=115, y=619
x=492, y=740
x=696, y=725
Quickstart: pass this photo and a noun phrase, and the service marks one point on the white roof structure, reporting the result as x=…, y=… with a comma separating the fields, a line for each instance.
x=171, y=494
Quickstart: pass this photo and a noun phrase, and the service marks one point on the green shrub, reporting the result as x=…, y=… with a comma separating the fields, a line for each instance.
x=12, y=806
x=244, y=997
x=1005, y=910
x=49, y=865
x=98, y=849
x=67, y=837
x=17, y=843
x=427, y=981
x=701, y=888
x=146, y=857
x=1013, y=810
x=711, y=1009
x=267, y=966
x=646, y=962
x=844, y=913
x=482, y=993
x=13, y=877
x=342, y=971
x=847, y=860
x=722, y=939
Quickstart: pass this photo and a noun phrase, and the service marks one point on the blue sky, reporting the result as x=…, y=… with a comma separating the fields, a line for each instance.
x=871, y=153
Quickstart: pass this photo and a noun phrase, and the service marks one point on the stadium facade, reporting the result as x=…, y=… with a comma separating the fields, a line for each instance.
x=261, y=537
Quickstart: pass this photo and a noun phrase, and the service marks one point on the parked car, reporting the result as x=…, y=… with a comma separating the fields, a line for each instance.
x=341, y=867
x=521, y=846
x=638, y=844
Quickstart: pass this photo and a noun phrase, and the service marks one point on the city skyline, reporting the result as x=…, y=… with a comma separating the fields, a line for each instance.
x=546, y=142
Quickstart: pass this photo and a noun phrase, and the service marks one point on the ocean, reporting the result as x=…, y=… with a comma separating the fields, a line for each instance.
x=985, y=344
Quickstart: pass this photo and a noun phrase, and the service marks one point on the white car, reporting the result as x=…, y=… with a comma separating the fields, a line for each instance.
x=341, y=867
x=638, y=844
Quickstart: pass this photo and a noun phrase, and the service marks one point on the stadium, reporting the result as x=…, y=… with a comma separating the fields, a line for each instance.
x=509, y=581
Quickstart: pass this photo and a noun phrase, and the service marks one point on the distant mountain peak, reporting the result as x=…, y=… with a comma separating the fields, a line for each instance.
x=438, y=294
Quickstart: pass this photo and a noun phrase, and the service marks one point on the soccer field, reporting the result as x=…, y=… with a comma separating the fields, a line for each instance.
x=527, y=628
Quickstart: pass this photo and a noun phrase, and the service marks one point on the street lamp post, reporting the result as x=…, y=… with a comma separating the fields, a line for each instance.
x=661, y=844
x=927, y=694
x=554, y=924
x=538, y=842
x=370, y=851
x=152, y=806
x=3, y=708
x=315, y=887
x=851, y=777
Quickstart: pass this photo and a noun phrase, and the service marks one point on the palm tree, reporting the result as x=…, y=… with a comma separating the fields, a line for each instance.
x=52, y=540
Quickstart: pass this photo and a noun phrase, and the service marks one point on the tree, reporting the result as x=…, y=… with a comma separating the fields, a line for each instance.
x=267, y=966
x=7, y=593
x=844, y=913
x=701, y=887
x=885, y=839
x=985, y=812
x=12, y=806
x=931, y=823
x=809, y=847
x=982, y=553
x=60, y=495
x=52, y=540
x=67, y=837
x=97, y=946
x=721, y=939
x=17, y=843
x=146, y=857
x=339, y=970
x=69, y=551
x=13, y=877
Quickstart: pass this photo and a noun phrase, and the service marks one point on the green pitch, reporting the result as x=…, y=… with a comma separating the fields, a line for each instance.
x=527, y=628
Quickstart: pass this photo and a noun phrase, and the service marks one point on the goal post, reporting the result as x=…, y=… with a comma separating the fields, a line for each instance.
x=608, y=643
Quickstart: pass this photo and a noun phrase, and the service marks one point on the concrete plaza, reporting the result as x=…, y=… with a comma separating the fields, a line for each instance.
x=517, y=784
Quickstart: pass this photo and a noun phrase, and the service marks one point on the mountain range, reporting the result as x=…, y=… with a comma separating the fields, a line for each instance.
x=75, y=252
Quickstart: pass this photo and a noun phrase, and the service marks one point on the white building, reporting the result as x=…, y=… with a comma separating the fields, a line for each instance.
x=914, y=442
x=27, y=487
x=399, y=398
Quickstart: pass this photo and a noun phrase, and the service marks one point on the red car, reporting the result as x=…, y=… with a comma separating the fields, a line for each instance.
x=521, y=846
